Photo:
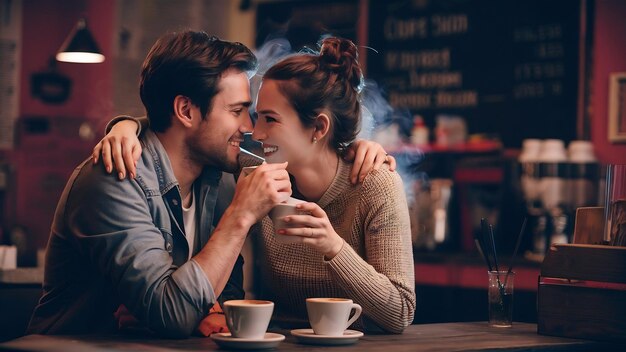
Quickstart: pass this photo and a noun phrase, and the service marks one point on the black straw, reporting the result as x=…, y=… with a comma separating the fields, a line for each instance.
x=493, y=244
x=517, y=244
x=495, y=260
x=482, y=243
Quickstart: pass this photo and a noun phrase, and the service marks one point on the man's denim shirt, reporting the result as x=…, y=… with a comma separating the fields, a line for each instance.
x=123, y=242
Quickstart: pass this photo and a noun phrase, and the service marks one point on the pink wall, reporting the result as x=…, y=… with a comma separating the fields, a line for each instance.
x=609, y=55
x=43, y=162
x=46, y=24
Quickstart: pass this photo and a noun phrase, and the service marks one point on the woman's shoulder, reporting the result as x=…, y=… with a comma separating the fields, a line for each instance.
x=382, y=177
x=381, y=186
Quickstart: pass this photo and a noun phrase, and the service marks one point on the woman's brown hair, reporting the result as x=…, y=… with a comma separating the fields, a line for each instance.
x=329, y=82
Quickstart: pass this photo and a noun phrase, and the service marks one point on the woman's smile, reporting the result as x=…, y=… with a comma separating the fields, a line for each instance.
x=269, y=149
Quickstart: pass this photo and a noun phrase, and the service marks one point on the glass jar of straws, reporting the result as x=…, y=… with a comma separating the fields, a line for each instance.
x=500, y=291
x=500, y=297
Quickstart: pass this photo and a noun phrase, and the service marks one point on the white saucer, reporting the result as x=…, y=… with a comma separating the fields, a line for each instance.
x=225, y=340
x=308, y=336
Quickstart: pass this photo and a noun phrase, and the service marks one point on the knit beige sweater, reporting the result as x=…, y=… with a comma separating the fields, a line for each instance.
x=374, y=267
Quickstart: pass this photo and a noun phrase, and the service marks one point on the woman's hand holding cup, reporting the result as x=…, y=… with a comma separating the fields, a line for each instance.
x=310, y=225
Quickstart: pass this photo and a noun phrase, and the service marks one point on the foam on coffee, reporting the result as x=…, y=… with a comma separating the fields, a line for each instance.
x=247, y=302
x=329, y=299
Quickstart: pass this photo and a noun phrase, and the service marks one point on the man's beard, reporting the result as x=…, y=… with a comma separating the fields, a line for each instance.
x=211, y=156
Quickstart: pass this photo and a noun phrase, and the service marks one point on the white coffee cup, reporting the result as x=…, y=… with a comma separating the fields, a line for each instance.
x=247, y=318
x=8, y=257
x=331, y=316
x=279, y=212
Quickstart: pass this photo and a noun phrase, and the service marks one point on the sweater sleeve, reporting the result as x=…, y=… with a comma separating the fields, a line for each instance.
x=382, y=282
x=142, y=123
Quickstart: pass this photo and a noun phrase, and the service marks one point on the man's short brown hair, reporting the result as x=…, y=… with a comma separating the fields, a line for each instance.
x=189, y=64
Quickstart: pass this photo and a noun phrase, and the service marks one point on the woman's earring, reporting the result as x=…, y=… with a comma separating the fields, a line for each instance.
x=314, y=140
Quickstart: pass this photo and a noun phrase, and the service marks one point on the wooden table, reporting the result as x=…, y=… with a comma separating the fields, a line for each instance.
x=425, y=337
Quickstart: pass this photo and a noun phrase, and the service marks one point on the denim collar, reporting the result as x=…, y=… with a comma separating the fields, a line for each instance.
x=162, y=164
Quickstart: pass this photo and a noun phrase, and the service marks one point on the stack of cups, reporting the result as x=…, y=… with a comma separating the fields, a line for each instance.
x=553, y=172
x=530, y=183
x=553, y=185
x=555, y=182
x=529, y=161
x=584, y=171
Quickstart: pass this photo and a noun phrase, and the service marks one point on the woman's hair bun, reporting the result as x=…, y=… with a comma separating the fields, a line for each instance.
x=340, y=56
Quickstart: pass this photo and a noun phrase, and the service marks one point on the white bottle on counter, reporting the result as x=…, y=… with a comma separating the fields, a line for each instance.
x=419, y=133
x=554, y=192
x=584, y=170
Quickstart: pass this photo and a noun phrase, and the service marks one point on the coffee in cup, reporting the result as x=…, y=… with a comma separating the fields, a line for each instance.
x=331, y=316
x=281, y=210
x=247, y=318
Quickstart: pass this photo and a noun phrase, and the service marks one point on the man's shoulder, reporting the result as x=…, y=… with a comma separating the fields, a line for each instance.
x=95, y=201
x=91, y=183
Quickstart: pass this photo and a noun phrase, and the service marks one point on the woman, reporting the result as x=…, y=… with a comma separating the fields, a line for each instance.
x=356, y=241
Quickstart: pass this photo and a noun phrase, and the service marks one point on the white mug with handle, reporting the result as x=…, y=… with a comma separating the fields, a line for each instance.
x=331, y=316
x=248, y=318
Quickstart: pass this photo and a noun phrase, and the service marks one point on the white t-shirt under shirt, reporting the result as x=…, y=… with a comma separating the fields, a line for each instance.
x=189, y=219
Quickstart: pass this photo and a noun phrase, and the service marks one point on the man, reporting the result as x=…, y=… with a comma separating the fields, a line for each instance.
x=129, y=242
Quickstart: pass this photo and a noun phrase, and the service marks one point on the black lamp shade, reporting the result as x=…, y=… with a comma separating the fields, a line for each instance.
x=80, y=46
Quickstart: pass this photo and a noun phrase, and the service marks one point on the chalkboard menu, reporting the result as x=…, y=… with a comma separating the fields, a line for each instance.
x=508, y=67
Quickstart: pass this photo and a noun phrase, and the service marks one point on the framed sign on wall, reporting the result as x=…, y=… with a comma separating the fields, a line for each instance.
x=617, y=107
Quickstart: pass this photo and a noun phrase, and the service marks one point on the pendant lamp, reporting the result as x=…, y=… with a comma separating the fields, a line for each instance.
x=80, y=46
